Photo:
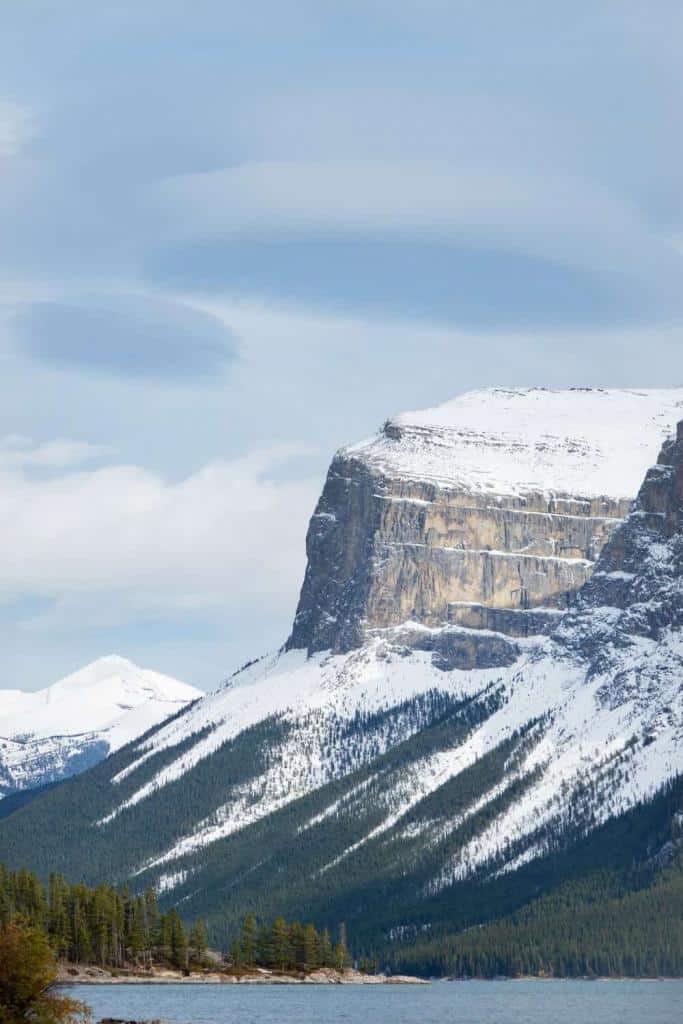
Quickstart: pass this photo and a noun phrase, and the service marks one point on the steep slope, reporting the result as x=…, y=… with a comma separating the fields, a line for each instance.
x=384, y=784
x=611, y=906
x=69, y=726
x=487, y=512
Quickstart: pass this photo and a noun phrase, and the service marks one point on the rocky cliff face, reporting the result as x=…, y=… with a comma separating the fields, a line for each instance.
x=488, y=513
x=635, y=598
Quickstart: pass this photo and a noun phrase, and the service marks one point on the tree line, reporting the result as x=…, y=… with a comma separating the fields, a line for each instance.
x=285, y=946
x=116, y=928
x=102, y=925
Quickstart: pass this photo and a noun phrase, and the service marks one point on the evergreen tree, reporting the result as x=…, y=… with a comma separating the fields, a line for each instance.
x=341, y=957
x=199, y=941
x=326, y=951
x=311, y=948
x=58, y=914
x=280, y=945
x=297, y=938
x=249, y=940
x=237, y=955
x=177, y=940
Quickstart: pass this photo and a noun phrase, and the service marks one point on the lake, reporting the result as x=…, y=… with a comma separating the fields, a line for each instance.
x=468, y=1002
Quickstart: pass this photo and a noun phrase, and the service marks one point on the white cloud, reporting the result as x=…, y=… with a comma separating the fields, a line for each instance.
x=228, y=536
x=17, y=451
x=548, y=214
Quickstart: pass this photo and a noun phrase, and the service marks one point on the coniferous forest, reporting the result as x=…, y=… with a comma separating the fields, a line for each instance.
x=116, y=929
x=100, y=925
x=590, y=928
x=607, y=904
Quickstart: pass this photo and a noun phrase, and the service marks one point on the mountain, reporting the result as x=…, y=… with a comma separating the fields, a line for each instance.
x=50, y=734
x=486, y=512
x=480, y=699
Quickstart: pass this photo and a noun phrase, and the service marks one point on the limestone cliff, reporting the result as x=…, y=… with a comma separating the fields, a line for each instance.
x=487, y=513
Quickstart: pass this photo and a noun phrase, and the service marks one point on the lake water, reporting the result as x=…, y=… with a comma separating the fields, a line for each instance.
x=493, y=1002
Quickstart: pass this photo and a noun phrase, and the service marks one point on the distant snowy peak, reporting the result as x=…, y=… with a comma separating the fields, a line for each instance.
x=91, y=700
x=52, y=733
x=580, y=441
x=119, y=678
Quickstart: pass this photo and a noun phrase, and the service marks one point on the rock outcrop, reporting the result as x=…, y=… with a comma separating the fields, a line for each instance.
x=488, y=513
x=635, y=598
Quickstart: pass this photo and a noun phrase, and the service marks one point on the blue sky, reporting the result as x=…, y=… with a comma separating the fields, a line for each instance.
x=233, y=237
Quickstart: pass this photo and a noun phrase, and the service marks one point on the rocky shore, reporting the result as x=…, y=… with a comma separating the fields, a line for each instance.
x=74, y=974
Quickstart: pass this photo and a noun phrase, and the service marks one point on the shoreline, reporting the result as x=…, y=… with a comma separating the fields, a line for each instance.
x=72, y=974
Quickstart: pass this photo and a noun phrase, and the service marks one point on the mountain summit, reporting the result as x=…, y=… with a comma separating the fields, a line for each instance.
x=487, y=512
x=49, y=734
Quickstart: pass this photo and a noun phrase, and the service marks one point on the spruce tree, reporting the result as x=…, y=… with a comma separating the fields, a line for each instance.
x=342, y=958
x=177, y=940
x=249, y=941
x=236, y=955
x=281, y=950
x=297, y=938
x=199, y=941
x=326, y=951
x=311, y=948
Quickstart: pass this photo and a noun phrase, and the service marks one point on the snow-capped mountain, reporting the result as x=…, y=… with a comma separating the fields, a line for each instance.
x=484, y=670
x=52, y=733
x=488, y=511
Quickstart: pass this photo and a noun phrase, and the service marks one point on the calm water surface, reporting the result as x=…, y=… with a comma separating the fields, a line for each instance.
x=493, y=1002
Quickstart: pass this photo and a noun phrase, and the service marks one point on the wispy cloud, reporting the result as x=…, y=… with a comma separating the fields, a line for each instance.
x=131, y=335
x=19, y=452
x=547, y=215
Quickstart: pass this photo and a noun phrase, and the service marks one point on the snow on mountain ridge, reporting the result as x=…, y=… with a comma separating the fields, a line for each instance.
x=90, y=699
x=583, y=442
x=583, y=735
x=100, y=707
x=601, y=698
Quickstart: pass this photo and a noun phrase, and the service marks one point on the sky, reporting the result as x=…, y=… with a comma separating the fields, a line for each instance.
x=234, y=237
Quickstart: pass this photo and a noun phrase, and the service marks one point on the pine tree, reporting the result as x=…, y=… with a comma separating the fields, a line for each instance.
x=281, y=950
x=236, y=955
x=80, y=934
x=341, y=958
x=178, y=940
x=199, y=941
x=58, y=914
x=249, y=941
x=297, y=938
x=311, y=948
x=326, y=951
